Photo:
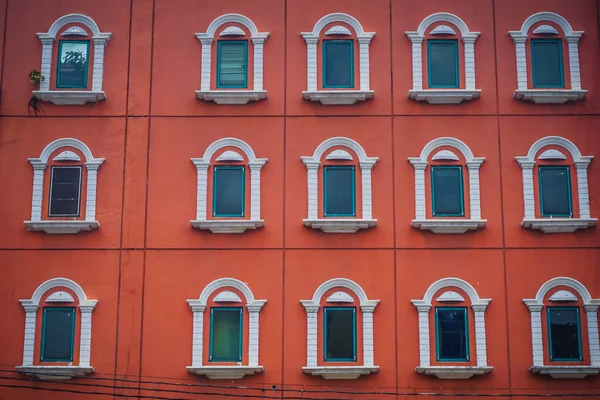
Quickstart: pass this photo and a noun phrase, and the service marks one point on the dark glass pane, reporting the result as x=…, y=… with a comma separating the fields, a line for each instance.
x=339, y=191
x=339, y=334
x=58, y=334
x=229, y=191
x=337, y=64
x=564, y=333
x=447, y=192
x=226, y=334
x=452, y=334
x=73, y=64
x=232, y=64
x=554, y=186
x=547, y=63
x=443, y=63
x=65, y=191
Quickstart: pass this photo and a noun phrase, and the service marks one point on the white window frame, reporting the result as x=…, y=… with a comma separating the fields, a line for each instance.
x=339, y=225
x=367, y=308
x=338, y=96
x=547, y=96
x=443, y=96
x=69, y=225
x=232, y=96
x=99, y=40
x=228, y=225
x=447, y=225
x=581, y=163
x=198, y=306
x=31, y=306
x=590, y=306
x=478, y=305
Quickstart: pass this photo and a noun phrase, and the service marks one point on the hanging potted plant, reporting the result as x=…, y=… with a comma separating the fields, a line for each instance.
x=35, y=77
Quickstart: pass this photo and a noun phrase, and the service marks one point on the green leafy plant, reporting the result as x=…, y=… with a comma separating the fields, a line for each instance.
x=75, y=58
x=35, y=77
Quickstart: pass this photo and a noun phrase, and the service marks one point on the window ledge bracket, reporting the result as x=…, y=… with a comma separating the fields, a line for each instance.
x=558, y=225
x=338, y=97
x=448, y=225
x=565, y=371
x=454, y=372
x=227, y=226
x=231, y=96
x=61, y=227
x=444, y=96
x=54, y=373
x=225, y=371
x=340, y=372
x=70, y=97
x=549, y=96
x=349, y=225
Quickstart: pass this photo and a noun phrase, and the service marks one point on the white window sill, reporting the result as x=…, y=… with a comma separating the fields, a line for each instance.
x=225, y=371
x=558, y=225
x=340, y=372
x=227, y=226
x=448, y=225
x=70, y=97
x=454, y=372
x=565, y=371
x=550, y=96
x=348, y=225
x=444, y=96
x=338, y=97
x=231, y=96
x=61, y=227
x=53, y=373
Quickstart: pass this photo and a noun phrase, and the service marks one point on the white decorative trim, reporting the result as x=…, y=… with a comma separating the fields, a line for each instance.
x=60, y=297
x=340, y=96
x=227, y=296
x=549, y=96
x=442, y=30
x=225, y=371
x=339, y=155
x=565, y=371
x=338, y=30
x=67, y=155
x=227, y=226
x=65, y=226
x=437, y=96
x=54, y=372
x=232, y=96
x=312, y=308
x=340, y=297
x=71, y=97
x=563, y=295
x=444, y=155
x=552, y=155
x=338, y=225
x=232, y=31
x=453, y=371
x=75, y=31
x=230, y=155
x=438, y=225
x=450, y=296
x=581, y=163
x=545, y=30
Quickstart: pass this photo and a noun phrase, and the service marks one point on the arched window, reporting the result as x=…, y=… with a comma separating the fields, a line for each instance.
x=549, y=199
x=447, y=181
x=458, y=316
x=338, y=69
x=61, y=332
x=558, y=335
x=341, y=350
x=547, y=72
x=70, y=188
x=235, y=79
x=345, y=181
x=78, y=60
x=233, y=332
x=448, y=75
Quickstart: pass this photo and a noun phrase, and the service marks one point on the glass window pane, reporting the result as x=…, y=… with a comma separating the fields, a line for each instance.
x=73, y=64
x=228, y=192
x=547, y=63
x=232, y=66
x=563, y=327
x=452, y=336
x=338, y=63
x=339, y=191
x=555, y=189
x=340, y=334
x=447, y=193
x=443, y=63
x=226, y=334
x=65, y=191
x=57, y=334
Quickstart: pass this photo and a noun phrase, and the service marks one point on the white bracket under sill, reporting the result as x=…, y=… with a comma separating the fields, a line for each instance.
x=340, y=372
x=448, y=225
x=231, y=96
x=225, y=371
x=558, y=225
x=454, y=372
x=70, y=97
x=61, y=227
x=348, y=225
x=227, y=226
x=549, y=96
x=444, y=96
x=338, y=97
x=54, y=373
x=565, y=371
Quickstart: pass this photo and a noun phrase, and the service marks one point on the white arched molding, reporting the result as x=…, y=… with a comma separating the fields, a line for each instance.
x=558, y=224
x=339, y=225
x=55, y=226
x=547, y=96
x=198, y=306
x=232, y=96
x=447, y=225
x=338, y=96
x=73, y=97
x=478, y=305
x=590, y=306
x=367, y=308
x=443, y=96
x=31, y=306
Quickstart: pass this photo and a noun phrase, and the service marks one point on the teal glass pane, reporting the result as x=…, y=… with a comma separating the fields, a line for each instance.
x=547, y=63
x=452, y=334
x=340, y=334
x=338, y=63
x=339, y=191
x=58, y=330
x=564, y=333
x=232, y=64
x=226, y=334
x=65, y=191
x=72, y=71
x=228, y=191
x=442, y=59
x=555, y=189
x=447, y=191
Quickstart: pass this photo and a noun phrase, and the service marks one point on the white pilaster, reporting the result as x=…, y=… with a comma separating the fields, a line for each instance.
x=313, y=189
x=536, y=334
x=201, y=190
x=90, y=198
x=46, y=68
x=424, y=352
x=521, y=60
x=593, y=339
x=469, y=62
x=367, y=202
x=206, y=63
x=474, y=192
x=573, y=43
x=368, y=356
x=420, y=189
x=85, y=341
x=98, y=68
x=255, y=191
x=480, y=339
x=417, y=61
x=311, y=67
x=363, y=44
x=29, y=342
x=582, y=189
x=311, y=332
x=253, y=336
x=528, y=193
x=258, y=62
x=38, y=190
x=197, y=335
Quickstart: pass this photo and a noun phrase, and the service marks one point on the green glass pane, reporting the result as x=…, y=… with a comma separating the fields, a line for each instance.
x=452, y=334
x=443, y=63
x=447, y=191
x=226, y=334
x=340, y=334
x=65, y=191
x=555, y=188
x=547, y=63
x=564, y=333
x=339, y=191
x=232, y=64
x=58, y=328
x=73, y=64
x=229, y=191
x=338, y=63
